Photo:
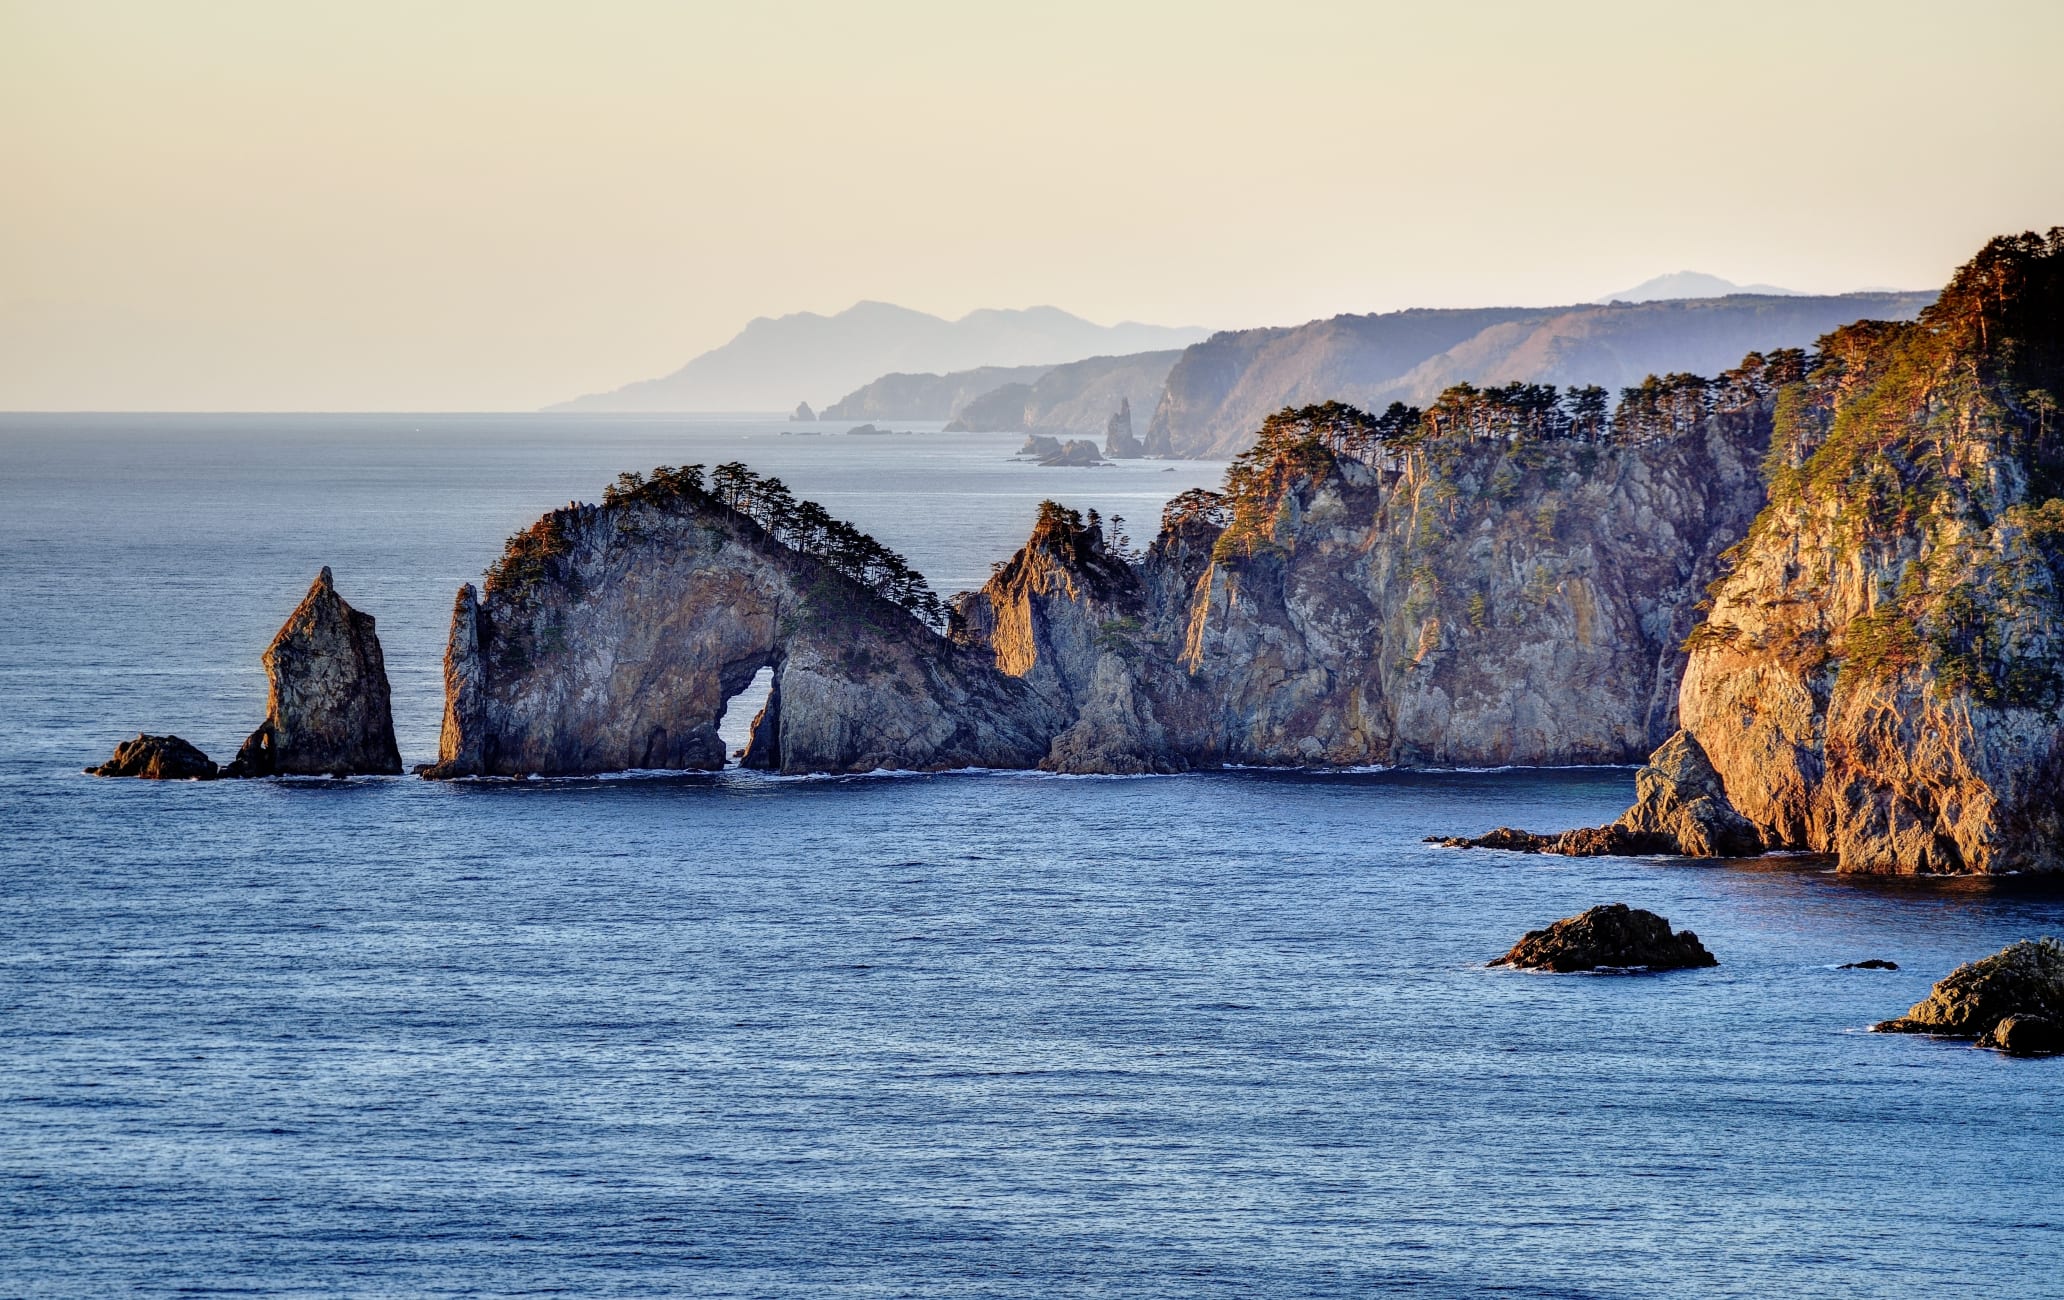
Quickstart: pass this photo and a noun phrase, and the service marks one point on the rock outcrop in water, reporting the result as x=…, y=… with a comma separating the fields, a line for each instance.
x=157, y=758
x=2012, y=1000
x=1119, y=442
x=328, y=709
x=613, y=636
x=1613, y=937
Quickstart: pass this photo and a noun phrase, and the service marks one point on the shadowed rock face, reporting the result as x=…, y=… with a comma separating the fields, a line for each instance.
x=1611, y=937
x=328, y=711
x=157, y=758
x=1472, y=602
x=615, y=637
x=2013, y=1000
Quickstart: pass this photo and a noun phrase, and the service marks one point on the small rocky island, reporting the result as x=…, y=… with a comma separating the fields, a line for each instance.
x=1614, y=937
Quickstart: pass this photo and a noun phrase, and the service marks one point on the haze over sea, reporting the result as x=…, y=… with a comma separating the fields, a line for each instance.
x=966, y=1034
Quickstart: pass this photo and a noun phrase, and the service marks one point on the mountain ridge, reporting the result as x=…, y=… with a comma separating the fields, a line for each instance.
x=776, y=361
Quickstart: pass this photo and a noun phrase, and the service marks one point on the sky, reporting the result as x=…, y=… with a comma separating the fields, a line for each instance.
x=289, y=205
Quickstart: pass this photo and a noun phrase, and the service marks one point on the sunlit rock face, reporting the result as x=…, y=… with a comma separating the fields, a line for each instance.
x=1881, y=672
x=328, y=710
x=612, y=637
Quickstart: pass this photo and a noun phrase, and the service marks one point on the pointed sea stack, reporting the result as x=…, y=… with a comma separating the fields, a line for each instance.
x=328, y=712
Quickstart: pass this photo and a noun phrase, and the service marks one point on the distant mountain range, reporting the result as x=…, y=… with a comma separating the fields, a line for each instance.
x=1692, y=284
x=774, y=363
x=1219, y=392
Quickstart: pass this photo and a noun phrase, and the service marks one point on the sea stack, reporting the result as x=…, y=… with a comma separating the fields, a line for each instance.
x=803, y=413
x=1119, y=442
x=328, y=711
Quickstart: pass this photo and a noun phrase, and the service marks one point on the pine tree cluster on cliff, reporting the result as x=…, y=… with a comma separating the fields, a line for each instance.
x=802, y=526
x=1298, y=442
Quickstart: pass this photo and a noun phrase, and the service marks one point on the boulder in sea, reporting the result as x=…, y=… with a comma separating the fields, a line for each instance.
x=2021, y=982
x=328, y=712
x=1075, y=451
x=1873, y=963
x=1613, y=937
x=157, y=758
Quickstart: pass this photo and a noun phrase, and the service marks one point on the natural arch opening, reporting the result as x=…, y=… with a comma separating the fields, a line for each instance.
x=735, y=727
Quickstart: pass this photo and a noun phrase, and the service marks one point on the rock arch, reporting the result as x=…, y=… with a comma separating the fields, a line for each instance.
x=612, y=637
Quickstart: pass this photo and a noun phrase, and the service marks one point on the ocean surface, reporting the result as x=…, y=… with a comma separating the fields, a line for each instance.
x=978, y=1034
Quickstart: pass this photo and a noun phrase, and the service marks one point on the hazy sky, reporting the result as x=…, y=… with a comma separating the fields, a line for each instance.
x=286, y=205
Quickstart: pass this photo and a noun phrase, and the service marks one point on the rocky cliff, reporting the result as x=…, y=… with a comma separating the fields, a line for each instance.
x=1445, y=589
x=1881, y=671
x=327, y=709
x=613, y=636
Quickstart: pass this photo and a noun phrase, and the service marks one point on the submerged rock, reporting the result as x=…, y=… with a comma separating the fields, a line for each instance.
x=1874, y=963
x=157, y=758
x=328, y=711
x=1614, y=936
x=2024, y=980
x=1509, y=838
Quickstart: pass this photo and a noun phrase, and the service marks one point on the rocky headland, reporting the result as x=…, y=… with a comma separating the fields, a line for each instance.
x=1879, y=674
x=1817, y=592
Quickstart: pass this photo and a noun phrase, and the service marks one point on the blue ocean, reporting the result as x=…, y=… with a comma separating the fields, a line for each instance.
x=973, y=1034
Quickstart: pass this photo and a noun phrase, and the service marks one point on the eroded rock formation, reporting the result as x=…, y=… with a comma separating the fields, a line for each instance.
x=157, y=758
x=1459, y=600
x=1612, y=937
x=1119, y=442
x=613, y=636
x=327, y=710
